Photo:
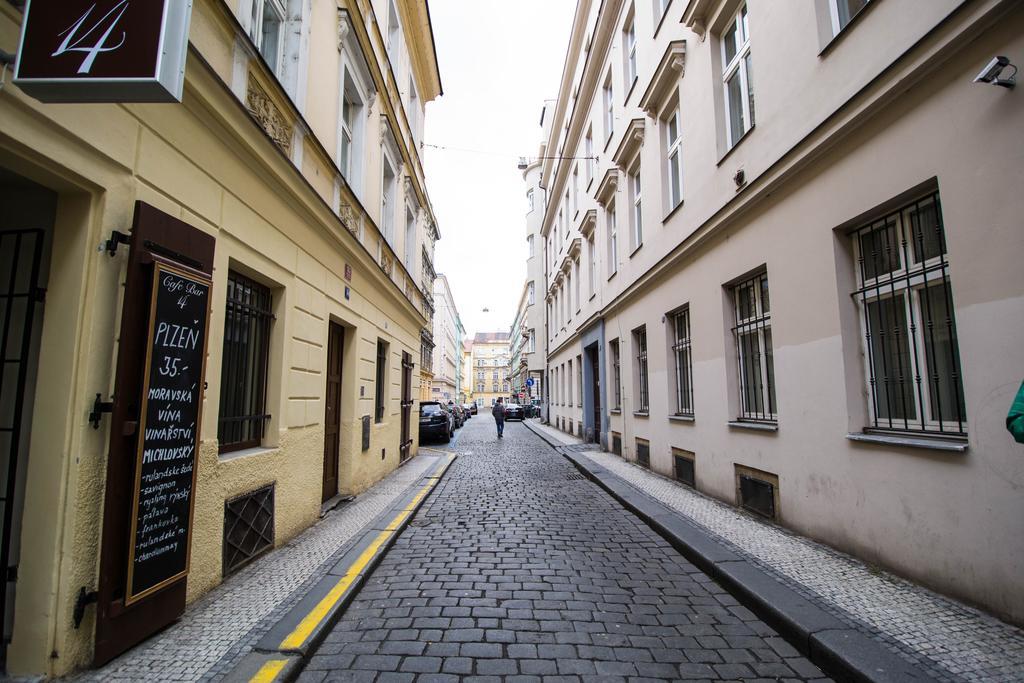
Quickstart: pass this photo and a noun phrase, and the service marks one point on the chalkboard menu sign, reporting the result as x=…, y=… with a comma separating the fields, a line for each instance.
x=171, y=409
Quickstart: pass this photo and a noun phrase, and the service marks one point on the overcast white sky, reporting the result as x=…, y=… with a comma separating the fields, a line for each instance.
x=499, y=61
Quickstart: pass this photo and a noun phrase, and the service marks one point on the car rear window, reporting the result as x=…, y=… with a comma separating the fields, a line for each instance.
x=430, y=409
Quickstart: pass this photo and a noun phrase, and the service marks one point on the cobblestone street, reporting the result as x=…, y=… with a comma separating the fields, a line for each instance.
x=518, y=567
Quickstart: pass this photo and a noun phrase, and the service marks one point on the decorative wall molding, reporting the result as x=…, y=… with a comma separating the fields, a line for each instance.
x=349, y=218
x=268, y=116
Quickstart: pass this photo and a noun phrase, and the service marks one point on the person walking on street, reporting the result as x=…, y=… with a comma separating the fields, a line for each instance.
x=1015, y=418
x=498, y=411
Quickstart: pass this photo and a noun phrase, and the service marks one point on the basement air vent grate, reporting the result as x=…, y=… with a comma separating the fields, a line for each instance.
x=643, y=453
x=248, y=528
x=684, y=469
x=757, y=496
x=616, y=443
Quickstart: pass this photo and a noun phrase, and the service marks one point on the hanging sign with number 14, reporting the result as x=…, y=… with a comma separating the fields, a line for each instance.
x=104, y=50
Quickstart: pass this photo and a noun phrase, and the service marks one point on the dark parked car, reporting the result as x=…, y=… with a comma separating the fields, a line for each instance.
x=470, y=409
x=473, y=409
x=436, y=421
x=457, y=412
x=514, y=411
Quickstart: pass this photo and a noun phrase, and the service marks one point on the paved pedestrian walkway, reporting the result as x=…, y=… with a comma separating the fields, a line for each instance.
x=950, y=640
x=518, y=567
x=223, y=626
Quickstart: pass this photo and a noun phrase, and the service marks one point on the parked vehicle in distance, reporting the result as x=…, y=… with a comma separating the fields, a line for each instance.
x=473, y=409
x=436, y=422
x=456, y=410
x=514, y=411
x=470, y=409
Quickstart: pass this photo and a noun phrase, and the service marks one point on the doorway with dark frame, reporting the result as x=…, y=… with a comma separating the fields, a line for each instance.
x=332, y=410
x=594, y=435
x=27, y=215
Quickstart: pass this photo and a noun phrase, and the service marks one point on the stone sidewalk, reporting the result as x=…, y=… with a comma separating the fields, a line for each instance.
x=952, y=641
x=222, y=626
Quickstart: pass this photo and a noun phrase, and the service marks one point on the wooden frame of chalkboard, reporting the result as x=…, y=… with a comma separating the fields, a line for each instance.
x=179, y=338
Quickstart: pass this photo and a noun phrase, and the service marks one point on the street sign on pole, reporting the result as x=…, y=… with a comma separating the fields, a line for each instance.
x=529, y=381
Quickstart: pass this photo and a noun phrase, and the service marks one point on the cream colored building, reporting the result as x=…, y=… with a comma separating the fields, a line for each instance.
x=467, y=371
x=490, y=368
x=445, y=385
x=307, y=186
x=783, y=251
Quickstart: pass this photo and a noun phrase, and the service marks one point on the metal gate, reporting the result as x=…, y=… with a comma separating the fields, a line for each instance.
x=21, y=299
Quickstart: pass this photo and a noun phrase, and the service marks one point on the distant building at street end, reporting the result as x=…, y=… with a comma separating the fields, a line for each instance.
x=466, y=384
x=490, y=367
x=782, y=252
x=448, y=333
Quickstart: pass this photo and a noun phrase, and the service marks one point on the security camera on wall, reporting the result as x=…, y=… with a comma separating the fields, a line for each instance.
x=992, y=71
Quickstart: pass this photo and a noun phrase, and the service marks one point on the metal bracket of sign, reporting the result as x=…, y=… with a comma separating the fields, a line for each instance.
x=117, y=238
x=98, y=408
x=84, y=599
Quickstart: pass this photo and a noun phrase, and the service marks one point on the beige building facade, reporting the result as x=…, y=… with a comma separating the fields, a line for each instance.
x=300, y=192
x=783, y=271
x=490, y=368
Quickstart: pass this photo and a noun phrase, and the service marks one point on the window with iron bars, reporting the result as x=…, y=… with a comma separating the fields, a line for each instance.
x=906, y=306
x=753, y=337
x=642, y=393
x=243, y=378
x=616, y=376
x=683, y=375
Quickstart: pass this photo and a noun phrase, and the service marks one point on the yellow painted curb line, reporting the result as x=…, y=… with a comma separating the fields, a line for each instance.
x=269, y=671
x=296, y=638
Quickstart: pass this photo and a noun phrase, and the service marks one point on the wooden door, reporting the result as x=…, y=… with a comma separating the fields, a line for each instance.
x=155, y=236
x=405, y=449
x=595, y=374
x=332, y=413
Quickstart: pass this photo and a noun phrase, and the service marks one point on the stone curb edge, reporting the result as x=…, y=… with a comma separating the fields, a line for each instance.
x=280, y=654
x=840, y=651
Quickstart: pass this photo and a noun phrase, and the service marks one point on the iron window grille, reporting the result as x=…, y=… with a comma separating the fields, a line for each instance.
x=248, y=528
x=643, y=395
x=683, y=362
x=382, y=367
x=643, y=453
x=753, y=337
x=616, y=376
x=243, y=381
x=910, y=340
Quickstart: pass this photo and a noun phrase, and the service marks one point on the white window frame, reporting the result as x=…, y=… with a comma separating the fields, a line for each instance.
x=613, y=239
x=410, y=237
x=674, y=158
x=592, y=250
x=576, y=189
x=609, y=107
x=833, y=10
x=589, y=149
x=531, y=295
x=388, y=197
x=529, y=245
x=907, y=282
x=761, y=331
x=280, y=9
x=529, y=201
x=636, y=214
x=393, y=37
x=739, y=25
x=629, y=49
x=576, y=280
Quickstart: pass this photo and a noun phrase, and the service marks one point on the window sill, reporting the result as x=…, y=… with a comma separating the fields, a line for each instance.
x=928, y=443
x=754, y=426
x=836, y=37
x=736, y=144
x=632, y=87
x=638, y=248
x=662, y=19
x=672, y=212
x=612, y=275
x=681, y=418
x=615, y=411
x=589, y=183
x=247, y=452
x=641, y=413
x=592, y=296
